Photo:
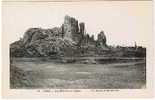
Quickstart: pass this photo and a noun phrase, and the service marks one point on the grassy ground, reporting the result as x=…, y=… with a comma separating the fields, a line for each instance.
x=42, y=74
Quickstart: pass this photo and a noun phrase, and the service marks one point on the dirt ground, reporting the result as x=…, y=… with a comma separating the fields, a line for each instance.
x=42, y=74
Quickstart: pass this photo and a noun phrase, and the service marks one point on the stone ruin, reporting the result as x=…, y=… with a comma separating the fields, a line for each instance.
x=77, y=32
x=70, y=36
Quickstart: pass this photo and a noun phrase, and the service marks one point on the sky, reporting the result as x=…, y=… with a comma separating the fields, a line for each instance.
x=124, y=23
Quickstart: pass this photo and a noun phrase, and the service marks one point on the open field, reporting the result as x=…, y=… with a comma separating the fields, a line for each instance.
x=128, y=74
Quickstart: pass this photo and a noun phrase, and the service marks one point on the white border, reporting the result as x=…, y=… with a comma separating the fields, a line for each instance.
x=123, y=93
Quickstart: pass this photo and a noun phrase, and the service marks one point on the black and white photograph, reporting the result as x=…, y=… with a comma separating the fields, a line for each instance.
x=77, y=45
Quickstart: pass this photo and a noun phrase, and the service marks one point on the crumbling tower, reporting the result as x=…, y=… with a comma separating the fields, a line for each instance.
x=70, y=27
x=101, y=39
x=82, y=28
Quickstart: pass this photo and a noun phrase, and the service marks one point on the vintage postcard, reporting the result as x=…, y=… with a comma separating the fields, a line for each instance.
x=77, y=49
